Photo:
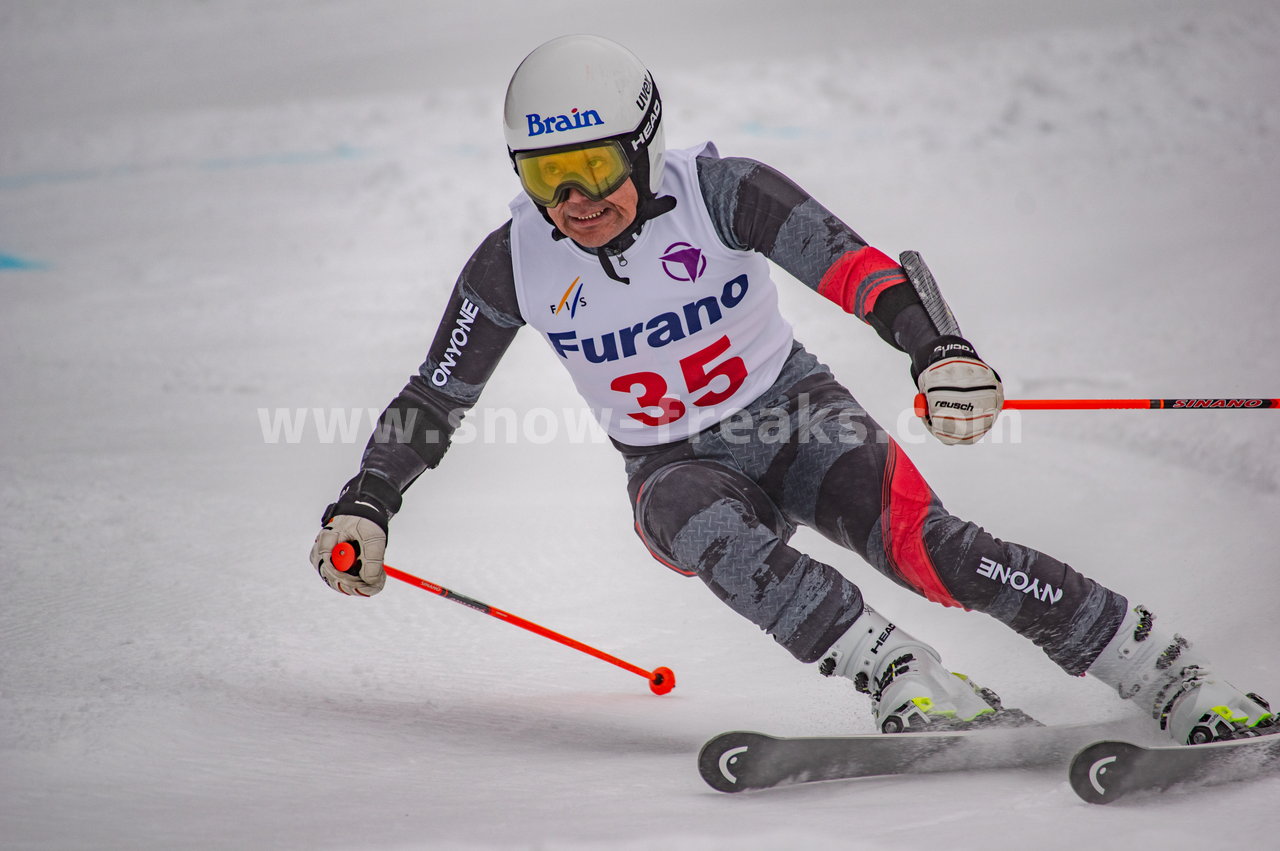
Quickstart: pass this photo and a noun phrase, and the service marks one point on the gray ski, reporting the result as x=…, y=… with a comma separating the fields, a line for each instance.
x=740, y=760
x=1107, y=771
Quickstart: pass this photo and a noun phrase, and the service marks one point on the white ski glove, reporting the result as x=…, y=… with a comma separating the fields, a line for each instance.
x=366, y=577
x=960, y=396
x=360, y=517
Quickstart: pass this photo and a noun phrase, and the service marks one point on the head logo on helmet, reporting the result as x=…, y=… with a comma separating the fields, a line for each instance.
x=577, y=89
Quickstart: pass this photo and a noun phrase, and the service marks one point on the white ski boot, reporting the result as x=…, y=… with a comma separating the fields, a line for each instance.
x=1161, y=673
x=910, y=690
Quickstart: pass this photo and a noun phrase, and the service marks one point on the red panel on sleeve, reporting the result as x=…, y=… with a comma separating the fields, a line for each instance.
x=858, y=278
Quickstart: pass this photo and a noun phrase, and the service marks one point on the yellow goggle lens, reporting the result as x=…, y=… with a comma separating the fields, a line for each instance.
x=598, y=171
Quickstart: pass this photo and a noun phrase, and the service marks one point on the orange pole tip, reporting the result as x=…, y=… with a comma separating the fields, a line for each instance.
x=662, y=680
x=343, y=556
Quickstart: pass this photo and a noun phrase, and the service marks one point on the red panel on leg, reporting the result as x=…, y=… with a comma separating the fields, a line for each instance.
x=905, y=507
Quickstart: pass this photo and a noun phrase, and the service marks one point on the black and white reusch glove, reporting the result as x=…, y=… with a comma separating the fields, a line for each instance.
x=960, y=396
x=360, y=517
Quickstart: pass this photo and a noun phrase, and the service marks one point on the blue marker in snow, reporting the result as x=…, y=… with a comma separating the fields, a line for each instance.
x=8, y=261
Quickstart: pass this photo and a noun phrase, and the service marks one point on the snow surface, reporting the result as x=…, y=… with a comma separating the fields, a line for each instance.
x=212, y=210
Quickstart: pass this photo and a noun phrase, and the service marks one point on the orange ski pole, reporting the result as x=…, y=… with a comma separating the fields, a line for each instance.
x=1133, y=404
x=1139, y=404
x=661, y=680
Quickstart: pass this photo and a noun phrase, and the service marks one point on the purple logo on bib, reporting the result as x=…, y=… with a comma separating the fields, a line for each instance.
x=683, y=262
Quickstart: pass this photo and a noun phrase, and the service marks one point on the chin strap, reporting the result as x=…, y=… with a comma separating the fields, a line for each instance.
x=602, y=254
x=650, y=207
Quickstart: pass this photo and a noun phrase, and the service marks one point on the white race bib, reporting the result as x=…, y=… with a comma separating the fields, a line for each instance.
x=696, y=335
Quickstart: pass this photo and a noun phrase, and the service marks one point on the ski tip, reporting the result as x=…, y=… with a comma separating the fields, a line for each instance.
x=1103, y=771
x=723, y=758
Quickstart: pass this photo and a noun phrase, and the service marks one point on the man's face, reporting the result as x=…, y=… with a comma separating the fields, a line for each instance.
x=592, y=224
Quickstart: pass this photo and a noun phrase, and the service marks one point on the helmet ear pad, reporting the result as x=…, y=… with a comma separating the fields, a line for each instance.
x=642, y=176
x=647, y=168
x=647, y=176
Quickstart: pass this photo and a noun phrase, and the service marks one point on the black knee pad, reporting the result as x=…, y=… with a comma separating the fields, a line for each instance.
x=675, y=494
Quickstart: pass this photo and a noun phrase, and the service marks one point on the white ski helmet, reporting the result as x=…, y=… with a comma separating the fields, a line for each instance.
x=584, y=88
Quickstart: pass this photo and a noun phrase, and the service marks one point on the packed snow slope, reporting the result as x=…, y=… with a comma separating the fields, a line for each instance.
x=216, y=218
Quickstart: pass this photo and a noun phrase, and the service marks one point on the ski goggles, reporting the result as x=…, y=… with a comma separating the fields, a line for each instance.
x=596, y=169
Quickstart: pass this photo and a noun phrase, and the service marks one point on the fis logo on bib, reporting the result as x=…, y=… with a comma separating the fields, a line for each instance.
x=571, y=300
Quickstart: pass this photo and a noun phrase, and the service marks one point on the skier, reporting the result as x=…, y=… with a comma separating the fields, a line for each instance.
x=646, y=271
